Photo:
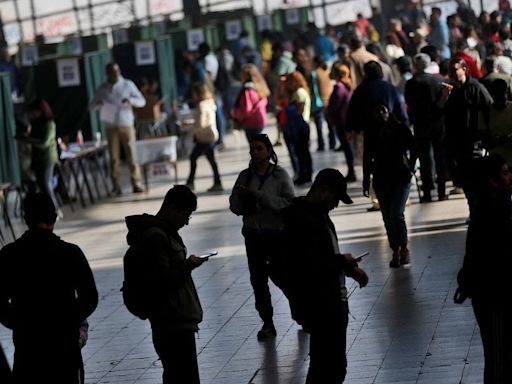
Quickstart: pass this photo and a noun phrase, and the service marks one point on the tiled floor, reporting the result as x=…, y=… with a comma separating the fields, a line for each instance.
x=404, y=327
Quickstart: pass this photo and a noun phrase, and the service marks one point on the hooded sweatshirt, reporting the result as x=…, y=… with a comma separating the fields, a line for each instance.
x=167, y=271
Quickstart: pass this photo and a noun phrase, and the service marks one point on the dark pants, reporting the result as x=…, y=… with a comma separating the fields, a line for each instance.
x=346, y=146
x=289, y=139
x=392, y=197
x=424, y=145
x=494, y=321
x=44, y=179
x=176, y=348
x=327, y=345
x=303, y=154
x=318, y=117
x=264, y=251
x=198, y=150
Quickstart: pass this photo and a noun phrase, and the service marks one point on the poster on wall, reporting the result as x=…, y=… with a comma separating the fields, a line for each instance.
x=144, y=53
x=120, y=36
x=29, y=56
x=233, y=30
x=264, y=23
x=194, y=38
x=68, y=72
x=292, y=16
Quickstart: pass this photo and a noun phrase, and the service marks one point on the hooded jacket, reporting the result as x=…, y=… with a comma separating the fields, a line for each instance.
x=167, y=271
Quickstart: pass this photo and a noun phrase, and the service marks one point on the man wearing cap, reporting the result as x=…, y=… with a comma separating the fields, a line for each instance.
x=316, y=275
x=47, y=290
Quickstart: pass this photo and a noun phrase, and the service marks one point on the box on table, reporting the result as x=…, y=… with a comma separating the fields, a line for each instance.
x=154, y=149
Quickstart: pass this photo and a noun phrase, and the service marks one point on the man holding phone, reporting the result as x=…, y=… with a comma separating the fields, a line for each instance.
x=316, y=275
x=174, y=308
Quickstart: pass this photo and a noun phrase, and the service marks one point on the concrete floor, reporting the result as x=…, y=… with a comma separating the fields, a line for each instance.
x=404, y=327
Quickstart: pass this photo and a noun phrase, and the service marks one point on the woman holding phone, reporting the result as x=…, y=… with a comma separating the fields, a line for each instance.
x=259, y=193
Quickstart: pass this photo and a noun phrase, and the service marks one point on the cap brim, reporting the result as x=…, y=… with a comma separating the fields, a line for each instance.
x=346, y=199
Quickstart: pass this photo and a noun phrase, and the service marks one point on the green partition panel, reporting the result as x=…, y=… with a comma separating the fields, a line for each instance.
x=165, y=55
x=94, y=68
x=302, y=20
x=9, y=161
x=211, y=36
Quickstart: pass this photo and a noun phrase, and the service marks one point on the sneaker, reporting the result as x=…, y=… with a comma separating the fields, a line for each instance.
x=456, y=191
x=395, y=261
x=373, y=209
x=351, y=177
x=190, y=186
x=278, y=143
x=442, y=197
x=405, y=256
x=217, y=187
x=138, y=189
x=267, y=331
x=117, y=191
x=427, y=197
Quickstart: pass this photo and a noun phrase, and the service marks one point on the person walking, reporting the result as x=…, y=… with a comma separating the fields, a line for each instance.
x=389, y=156
x=250, y=110
x=42, y=138
x=484, y=276
x=173, y=303
x=260, y=191
x=316, y=275
x=116, y=97
x=47, y=290
x=205, y=135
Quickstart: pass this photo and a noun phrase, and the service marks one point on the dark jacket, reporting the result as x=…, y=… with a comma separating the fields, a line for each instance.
x=46, y=290
x=488, y=261
x=316, y=274
x=390, y=153
x=337, y=108
x=167, y=271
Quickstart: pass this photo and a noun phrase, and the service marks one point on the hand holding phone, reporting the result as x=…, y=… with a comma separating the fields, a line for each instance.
x=207, y=255
x=360, y=257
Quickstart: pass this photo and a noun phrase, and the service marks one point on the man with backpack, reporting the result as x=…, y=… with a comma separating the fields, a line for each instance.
x=158, y=283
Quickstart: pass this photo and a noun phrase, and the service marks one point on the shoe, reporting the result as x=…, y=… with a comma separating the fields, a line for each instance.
x=190, y=186
x=117, y=191
x=427, y=197
x=138, y=189
x=395, y=261
x=320, y=149
x=351, y=177
x=456, y=191
x=339, y=149
x=405, y=256
x=267, y=331
x=217, y=187
x=373, y=209
x=278, y=143
x=442, y=197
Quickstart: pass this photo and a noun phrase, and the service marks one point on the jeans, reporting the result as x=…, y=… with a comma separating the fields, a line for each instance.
x=392, y=198
x=220, y=117
x=347, y=149
x=198, y=150
x=424, y=145
x=44, y=179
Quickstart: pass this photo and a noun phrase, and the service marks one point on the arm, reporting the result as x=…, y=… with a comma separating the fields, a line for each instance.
x=367, y=163
x=47, y=139
x=86, y=292
x=235, y=200
x=136, y=99
x=6, y=315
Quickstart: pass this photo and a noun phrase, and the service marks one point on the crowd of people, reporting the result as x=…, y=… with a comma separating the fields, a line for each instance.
x=434, y=88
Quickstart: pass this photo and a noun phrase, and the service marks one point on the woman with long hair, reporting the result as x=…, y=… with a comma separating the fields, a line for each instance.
x=250, y=110
x=389, y=157
x=337, y=112
x=205, y=134
x=259, y=193
x=42, y=138
x=296, y=131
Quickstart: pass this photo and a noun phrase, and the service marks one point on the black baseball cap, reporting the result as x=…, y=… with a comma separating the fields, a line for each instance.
x=334, y=179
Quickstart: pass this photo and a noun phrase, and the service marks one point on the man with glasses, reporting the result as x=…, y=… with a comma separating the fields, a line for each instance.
x=174, y=309
x=462, y=101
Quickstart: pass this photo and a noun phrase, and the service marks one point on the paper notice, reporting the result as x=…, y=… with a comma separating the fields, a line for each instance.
x=108, y=113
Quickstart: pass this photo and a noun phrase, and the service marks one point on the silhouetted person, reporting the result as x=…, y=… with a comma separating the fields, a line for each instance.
x=485, y=275
x=46, y=291
x=5, y=370
x=316, y=275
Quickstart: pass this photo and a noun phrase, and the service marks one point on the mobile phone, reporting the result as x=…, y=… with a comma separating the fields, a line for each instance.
x=207, y=254
x=360, y=257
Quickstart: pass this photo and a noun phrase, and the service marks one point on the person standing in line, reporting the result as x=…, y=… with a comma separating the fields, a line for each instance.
x=485, y=274
x=260, y=191
x=389, y=157
x=337, y=112
x=175, y=310
x=42, y=138
x=316, y=271
x=205, y=134
x=250, y=110
x=116, y=97
x=45, y=284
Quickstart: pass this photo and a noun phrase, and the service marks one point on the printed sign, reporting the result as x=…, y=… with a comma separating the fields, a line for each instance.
x=292, y=16
x=194, y=38
x=233, y=30
x=264, y=23
x=120, y=36
x=68, y=72
x=76, y=45
x=144, y=53
x=29, y=56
